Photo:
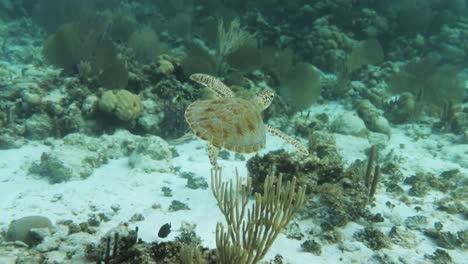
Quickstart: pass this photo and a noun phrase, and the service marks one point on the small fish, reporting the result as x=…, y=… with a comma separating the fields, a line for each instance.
x=164, y=230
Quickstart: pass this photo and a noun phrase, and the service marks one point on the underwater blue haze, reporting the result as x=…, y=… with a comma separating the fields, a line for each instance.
x=243, y=132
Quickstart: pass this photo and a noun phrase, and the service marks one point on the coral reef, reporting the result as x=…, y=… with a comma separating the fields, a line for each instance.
x=292, y=85
x=146, y=45
x=94, y=80
x=86, y=40
x=338, y=194
x=246, y=240
x=424, y=78
x=373, y=238
x=121, y=103
x=448, y=182
x=366, y=52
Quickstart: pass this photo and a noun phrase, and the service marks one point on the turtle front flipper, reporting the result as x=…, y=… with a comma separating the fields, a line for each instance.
x=298, y=145
x=213, y=155
x=212, y=83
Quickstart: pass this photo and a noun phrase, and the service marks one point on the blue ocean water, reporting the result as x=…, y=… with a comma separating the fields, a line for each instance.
x=211, y=131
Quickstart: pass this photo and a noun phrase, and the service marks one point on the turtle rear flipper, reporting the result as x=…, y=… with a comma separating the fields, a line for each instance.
x=298, y=145
x=213, y=155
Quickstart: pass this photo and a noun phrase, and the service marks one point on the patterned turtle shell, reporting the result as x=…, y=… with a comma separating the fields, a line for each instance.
x=231, y=123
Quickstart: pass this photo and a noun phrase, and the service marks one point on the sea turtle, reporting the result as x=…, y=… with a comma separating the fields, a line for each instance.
x=232, y=123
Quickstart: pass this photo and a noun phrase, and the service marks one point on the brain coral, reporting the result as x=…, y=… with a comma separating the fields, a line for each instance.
x=123, y=104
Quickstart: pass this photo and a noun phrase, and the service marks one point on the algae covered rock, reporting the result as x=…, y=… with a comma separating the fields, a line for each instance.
x=151, y=118
x=165, y=66
x=20, y=230
x=312, y=246
x=350, y=124
x=373, y=238
x=150, y=154
x=372, y=117
x=123, y=104
x=402, y=109
x=439, y=256
x=38, y=126
x=51, y=168
x=75, y=157
x=403, y=237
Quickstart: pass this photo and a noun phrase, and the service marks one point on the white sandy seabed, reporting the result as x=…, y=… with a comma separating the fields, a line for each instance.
x=135, y=191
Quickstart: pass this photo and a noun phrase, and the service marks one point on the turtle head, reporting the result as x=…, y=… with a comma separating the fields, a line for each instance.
x=264, y=98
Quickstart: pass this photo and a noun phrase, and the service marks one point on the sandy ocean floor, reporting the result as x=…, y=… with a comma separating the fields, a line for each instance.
x=308, y=52
x=136, y=191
